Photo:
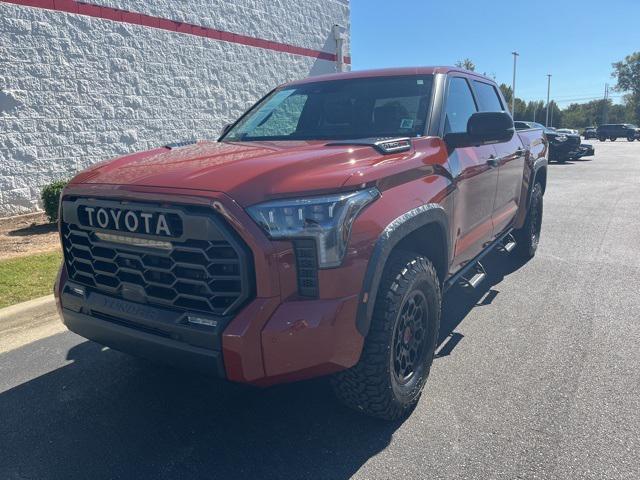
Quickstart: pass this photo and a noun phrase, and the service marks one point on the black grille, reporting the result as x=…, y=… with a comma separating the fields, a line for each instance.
x=210, y=276
x=307, y=267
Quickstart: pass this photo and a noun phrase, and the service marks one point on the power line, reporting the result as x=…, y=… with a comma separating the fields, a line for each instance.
x=599, y=97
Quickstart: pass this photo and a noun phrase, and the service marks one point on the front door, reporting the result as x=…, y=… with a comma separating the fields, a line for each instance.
x=475, y=177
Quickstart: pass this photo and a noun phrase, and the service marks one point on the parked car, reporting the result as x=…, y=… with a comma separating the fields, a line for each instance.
x=568, y=131
x=613, y=131
x=315, y=237
x=589, y=132
x=562, y=146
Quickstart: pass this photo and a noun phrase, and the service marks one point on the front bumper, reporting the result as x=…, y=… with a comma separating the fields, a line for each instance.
x=564, y=151
x=275, y=337
x=585, y=150
x=268, y=342
x=154, y=333
x=129, y=340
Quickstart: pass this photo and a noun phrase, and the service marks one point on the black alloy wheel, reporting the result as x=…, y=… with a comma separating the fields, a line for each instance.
x=409, y=338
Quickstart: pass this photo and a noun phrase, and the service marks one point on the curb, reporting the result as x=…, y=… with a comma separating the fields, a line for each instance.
x=22, y=216
x=25, y=307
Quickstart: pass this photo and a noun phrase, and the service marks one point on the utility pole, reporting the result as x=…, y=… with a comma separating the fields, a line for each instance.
x=513, y=85
x=548, y=93
x=605, y=113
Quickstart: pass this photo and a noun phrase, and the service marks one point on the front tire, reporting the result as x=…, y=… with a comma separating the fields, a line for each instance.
x=613, y=139
x=602, y=139
x=528, y=237
x=630, y=138
x=398, y=352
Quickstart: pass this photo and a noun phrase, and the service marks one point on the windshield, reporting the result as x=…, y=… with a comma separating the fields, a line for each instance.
x=340, y=109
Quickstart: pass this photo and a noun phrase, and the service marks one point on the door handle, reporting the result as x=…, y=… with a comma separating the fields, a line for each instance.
x=519, y=152
x=492, y=161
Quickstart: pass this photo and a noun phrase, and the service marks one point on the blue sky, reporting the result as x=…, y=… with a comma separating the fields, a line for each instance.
x=575, y=41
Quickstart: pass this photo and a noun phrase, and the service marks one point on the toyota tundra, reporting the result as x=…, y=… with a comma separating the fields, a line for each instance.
x=315, y=237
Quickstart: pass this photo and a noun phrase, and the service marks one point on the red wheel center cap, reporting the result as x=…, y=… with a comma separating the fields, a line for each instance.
x=406, y=337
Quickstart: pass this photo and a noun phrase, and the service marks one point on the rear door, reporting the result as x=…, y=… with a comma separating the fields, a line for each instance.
x=474, y=177
x=510, y=162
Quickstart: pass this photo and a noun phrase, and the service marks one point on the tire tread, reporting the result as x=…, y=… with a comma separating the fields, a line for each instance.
x=366, y=386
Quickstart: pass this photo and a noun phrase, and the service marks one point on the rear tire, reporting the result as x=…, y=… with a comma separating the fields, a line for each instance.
x=528, y=237
x=602, y=139
x=613, y=139
x=398, y=352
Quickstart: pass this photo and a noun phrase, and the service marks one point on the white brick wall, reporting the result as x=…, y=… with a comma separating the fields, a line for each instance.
x=75, y=89
x=304, y=23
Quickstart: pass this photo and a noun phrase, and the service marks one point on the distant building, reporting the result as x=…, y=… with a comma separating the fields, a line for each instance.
x=84, y=82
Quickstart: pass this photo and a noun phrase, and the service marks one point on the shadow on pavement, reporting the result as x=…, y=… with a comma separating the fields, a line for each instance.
x=36, y=229
x=108, y=415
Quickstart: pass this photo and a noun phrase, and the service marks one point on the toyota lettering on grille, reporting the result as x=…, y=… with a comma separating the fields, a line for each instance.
x=122, y=220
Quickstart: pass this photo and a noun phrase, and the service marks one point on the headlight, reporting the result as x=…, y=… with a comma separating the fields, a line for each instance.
x=326, y=219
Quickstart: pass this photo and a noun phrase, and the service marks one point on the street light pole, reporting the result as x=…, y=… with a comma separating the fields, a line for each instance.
x=513, y=85
x=606, y=104
x=548, y=93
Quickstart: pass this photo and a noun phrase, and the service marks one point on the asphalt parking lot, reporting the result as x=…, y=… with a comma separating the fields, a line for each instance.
x=537, y=377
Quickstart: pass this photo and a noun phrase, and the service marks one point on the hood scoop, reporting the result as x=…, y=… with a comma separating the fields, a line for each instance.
x=385, y=145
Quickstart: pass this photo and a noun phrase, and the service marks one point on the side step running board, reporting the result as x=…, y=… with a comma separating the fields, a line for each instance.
x=508, y=243
x=473, y=273
x=479, y=274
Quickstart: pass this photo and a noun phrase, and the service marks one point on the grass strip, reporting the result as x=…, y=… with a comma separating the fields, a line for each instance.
x=28, y=277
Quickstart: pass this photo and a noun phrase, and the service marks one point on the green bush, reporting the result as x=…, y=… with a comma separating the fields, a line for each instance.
x=51, y=198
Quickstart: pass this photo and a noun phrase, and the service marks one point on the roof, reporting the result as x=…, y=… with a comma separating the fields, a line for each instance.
x=387, y=72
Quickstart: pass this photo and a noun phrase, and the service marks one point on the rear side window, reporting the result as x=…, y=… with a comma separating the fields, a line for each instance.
x=488, y=98
x=459, y=106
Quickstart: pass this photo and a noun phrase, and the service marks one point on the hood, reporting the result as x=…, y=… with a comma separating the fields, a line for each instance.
x=249, y=172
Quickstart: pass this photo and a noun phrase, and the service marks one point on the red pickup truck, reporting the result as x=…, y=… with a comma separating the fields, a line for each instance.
x=315, y=237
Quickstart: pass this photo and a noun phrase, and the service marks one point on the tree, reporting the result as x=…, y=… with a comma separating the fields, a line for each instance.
x=507, y=92
x=467, y=64
x=627, y=75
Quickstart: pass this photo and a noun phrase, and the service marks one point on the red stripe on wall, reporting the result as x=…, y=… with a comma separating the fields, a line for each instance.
x=108, y=13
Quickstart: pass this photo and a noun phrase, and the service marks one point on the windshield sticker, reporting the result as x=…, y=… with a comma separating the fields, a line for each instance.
x=406, y=123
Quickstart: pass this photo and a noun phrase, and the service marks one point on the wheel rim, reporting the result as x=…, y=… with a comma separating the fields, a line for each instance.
x=536, y=222
x=409, y=337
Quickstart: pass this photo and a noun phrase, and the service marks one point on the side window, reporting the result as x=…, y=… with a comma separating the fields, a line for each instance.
x=487, y=97
x=459, y=106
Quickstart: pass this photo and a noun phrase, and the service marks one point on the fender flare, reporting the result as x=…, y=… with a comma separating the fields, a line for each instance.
x=393, y=233
x=538, y=165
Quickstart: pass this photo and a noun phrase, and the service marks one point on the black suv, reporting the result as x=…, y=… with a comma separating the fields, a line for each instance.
x=613, y=131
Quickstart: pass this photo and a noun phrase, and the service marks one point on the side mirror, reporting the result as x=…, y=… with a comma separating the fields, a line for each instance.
x=483, y=128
